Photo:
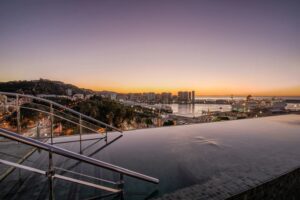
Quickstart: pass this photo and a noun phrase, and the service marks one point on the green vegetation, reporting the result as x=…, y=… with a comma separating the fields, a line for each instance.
x=27, y=116
x=114, y=113
x=41, y=86
x=108, y=111
x=168, y=123
x=102, y=109
x=148, y=122
x=220, y=118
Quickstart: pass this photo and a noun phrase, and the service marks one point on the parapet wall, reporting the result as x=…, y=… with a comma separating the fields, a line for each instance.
x=285, y=187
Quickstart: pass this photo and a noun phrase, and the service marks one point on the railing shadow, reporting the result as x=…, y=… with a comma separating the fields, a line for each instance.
x=93, y=153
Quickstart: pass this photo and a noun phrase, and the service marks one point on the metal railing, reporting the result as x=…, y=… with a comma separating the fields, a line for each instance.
x=61, y=106
x=69, y=154
x=80, y=117
x=32, y=169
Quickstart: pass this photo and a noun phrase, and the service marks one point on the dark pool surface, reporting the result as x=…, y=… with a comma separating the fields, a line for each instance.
x=241, y=154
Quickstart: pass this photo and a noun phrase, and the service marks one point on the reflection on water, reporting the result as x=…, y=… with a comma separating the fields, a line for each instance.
x=195, y=110
x=203, y=140
x=226, y=152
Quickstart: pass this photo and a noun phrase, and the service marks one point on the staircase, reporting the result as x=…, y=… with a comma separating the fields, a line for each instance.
x=34, y=167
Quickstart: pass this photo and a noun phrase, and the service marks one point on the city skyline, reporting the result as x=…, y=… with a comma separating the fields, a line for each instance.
x=215, y=48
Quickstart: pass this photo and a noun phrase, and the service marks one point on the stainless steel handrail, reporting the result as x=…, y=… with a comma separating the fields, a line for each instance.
x=63, y=118
x=63, y=107
x=38, y=171
x=76, y=156
x=86, y=176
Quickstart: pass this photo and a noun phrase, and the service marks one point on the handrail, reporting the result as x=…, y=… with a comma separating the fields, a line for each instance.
x=61, y=106
x=87, y=176
x=63, y=118
x=38, y=171
x=76, y=156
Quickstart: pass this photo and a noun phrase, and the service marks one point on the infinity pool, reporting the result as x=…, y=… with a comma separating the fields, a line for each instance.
x=231, y=156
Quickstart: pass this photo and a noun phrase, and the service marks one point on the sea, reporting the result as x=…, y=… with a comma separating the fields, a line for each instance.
x=196, y=110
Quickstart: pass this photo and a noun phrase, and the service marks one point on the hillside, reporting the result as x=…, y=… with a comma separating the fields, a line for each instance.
x=41, y=86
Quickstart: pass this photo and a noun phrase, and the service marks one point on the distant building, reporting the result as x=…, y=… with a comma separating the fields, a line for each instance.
x=69, y=92
x=3, y=103
x=166, y=97
x=108, y=94
x=222, y=101
x=239, y=106
x=186, y=97
x=252, y=105
x=135, y=97
x=88, y=96
x=3, y=99
x=278, y=106
x=193, y=96
x=122, y=97
x=54, y=96
x=245, y=106
x=183, y=97
x=78, y=97
x=150, y=96
x=157, y=98
x=113, y=96
x=293, y=106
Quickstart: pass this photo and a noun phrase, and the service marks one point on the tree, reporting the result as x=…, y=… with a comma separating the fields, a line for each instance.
x=168, y=123
x=249, y=97
x=148, y=122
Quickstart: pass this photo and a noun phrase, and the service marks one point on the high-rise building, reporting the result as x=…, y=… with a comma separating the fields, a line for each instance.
x=183, y=97
x=166, y=97
x=150, y=96
x=193, y=96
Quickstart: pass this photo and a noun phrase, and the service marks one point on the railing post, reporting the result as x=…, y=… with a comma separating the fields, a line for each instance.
x=121, y=185
x=80, y=133
x=50, y=175
x=51, y=122
x=38, y=130
x=18, y=115
x=106, y=134
x=18, y=128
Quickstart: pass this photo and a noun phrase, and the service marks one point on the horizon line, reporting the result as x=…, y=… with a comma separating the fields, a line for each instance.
x=279, y=92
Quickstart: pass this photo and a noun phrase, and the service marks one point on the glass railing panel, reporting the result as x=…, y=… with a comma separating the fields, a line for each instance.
x=83, y=172
x=14, y=152
x=18, y=183
x=8, y=117
x=31, y=117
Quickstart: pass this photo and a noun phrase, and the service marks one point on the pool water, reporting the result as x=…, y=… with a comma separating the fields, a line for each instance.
x=240, y=154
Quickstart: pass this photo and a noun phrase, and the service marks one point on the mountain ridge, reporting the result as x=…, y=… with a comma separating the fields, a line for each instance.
x=41, y=86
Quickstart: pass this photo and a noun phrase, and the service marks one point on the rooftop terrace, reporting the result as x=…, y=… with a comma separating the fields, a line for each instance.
x=213, y=160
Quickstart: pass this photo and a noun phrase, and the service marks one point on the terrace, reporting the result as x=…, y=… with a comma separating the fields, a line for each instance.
x=204, y=161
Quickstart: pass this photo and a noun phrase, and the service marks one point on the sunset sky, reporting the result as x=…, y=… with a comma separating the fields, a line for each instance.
x=212, y=47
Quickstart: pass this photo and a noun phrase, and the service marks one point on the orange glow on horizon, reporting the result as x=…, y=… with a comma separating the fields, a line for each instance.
x=292, y=91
